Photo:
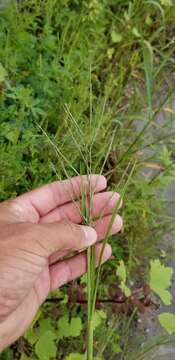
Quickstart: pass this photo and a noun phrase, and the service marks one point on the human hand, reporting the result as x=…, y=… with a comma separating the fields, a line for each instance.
x=37, y=230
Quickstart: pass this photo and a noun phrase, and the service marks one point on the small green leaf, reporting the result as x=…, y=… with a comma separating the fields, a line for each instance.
x=75, y=326
x=121, y=271
x=126, y=290
x=110, y=52
x=84, y=279
x=63, y=327
x=116, y=38
x=98, y=316
x=160, y=280
x=45, y=348
x=136, y=32
x=44, y=326
x=165, y=157
x=116, y=348
x=167, y=320
x=148, y=20
x=69, y=329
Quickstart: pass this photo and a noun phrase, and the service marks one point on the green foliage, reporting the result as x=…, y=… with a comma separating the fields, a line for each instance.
x=67, y=329
x=116, y=348
x=121, y=273
x=165, y=157
x=43, y=338
x=98, y=317
x=6, y=355
x=167, y=320
x=116, y=38
x=45, y=347
x=31, y=336
x=160, y=280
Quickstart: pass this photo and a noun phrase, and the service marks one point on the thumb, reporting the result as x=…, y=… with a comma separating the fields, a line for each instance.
x=62, y=236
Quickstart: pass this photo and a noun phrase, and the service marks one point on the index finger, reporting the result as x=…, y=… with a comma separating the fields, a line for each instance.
x=48, y=197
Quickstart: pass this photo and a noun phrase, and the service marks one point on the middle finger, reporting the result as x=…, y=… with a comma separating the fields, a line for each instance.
x=102, y=204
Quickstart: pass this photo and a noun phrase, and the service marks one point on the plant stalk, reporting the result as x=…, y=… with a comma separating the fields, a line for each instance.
x=90, y=339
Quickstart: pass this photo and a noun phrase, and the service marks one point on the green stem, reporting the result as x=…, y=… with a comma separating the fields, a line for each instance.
x=91, y=250
x=90, y=287
x=90, y=339
x=94, y=295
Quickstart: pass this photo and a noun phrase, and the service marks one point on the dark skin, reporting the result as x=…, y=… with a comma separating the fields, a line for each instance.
x=37, y=230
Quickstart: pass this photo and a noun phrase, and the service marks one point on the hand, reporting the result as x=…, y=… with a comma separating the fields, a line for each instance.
x=37, y=230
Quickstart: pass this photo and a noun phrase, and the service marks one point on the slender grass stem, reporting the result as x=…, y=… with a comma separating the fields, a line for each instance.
x=107, y=236
x=91, y=250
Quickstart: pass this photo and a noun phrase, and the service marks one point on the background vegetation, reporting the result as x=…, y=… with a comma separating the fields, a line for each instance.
x=49, y=51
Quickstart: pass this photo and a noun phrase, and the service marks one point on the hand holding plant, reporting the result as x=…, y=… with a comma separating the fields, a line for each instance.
x=40, y=243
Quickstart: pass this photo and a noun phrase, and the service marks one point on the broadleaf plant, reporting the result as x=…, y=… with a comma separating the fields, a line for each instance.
x=121, y=273
x=45, y=347
x=68, y=328
x=160, y=280
x=167, y=320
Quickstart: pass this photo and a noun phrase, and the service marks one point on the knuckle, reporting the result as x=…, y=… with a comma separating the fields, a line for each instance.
x=11, y=211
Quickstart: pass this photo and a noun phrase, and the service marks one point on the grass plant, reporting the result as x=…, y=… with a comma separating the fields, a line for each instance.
x=100, y=118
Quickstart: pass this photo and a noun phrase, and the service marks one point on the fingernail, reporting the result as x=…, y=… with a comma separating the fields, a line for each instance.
x=117, y=225
x=90, y=235
x=118, y=222
x=107, y=252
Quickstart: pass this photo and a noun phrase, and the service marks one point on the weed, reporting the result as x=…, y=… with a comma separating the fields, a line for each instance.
x=107, y=124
